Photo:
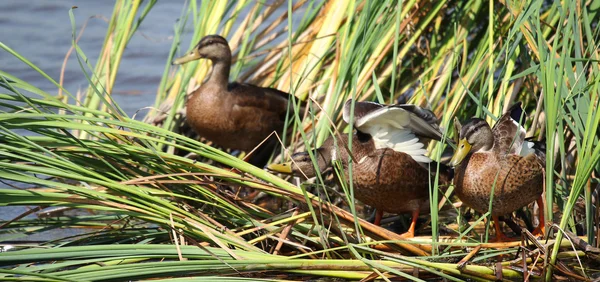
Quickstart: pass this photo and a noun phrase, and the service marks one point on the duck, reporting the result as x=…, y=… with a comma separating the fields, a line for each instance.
x=390, y=170
x=499, y=162
x=234, y=115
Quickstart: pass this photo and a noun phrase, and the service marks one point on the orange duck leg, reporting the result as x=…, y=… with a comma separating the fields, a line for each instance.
x=378, y=217
x=413, y=223
x=500, y=237
x=411, y=230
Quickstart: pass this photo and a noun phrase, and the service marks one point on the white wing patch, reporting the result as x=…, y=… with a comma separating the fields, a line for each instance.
x=388, y=127
x=519, y=144
x=527, y=148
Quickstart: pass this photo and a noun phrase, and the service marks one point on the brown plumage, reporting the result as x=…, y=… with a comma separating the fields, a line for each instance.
x=387, y=178
x=232, y=115
x=498, y=160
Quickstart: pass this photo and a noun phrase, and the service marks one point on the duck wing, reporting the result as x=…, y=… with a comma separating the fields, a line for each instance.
x=509, y=133
x=538, y=148
x=398, y=127
x=254, y=98
x=361, y=109
x=423, y=122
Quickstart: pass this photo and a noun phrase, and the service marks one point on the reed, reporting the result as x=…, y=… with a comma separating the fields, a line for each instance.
x=150, y=213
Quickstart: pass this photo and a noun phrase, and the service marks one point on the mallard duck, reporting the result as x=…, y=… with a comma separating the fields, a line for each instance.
x=390, y=169
x=231, y=114
x=498, y=160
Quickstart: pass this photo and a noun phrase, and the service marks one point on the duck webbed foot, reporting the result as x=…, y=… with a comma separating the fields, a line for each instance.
x=500, y=236
x=413, y=223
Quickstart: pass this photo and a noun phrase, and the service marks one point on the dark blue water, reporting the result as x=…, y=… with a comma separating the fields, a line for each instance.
x=41, y=32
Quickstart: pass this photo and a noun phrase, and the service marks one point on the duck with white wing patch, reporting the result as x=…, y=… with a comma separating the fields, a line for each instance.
x=500, y=165
x=390, y=169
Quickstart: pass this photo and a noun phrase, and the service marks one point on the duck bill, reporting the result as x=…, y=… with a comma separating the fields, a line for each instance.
x=192, y=55
x=459, y=155
x=285, y=168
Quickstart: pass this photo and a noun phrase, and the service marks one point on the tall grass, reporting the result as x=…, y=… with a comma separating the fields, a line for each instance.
x=161, y=215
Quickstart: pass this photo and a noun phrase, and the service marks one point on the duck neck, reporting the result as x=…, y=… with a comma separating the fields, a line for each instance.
x=220, y=72
x=337, y=149
x=323, y=156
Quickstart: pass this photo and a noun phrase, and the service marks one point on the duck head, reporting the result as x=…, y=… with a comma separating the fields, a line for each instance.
x=474, y=136
x=212, y=47
x=302, y=165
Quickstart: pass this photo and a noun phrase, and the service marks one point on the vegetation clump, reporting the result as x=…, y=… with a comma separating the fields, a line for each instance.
x=157, y=203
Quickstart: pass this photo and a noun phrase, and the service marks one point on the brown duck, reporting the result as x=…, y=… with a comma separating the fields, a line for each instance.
x=231, y=114
x=498, y=160
x=390, y=169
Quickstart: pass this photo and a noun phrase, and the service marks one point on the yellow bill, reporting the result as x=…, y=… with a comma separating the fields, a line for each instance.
x=461, y=152
x=190, y=56
x=281, y=168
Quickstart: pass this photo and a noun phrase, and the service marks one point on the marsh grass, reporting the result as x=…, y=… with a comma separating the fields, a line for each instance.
x=151, y=213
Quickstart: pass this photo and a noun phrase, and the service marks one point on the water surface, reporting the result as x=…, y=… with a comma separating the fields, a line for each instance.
x=41, y=32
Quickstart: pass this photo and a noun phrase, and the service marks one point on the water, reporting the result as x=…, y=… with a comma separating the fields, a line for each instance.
x=41, y=32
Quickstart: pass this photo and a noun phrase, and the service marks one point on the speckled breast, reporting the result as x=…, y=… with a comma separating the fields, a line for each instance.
x=497, y=181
